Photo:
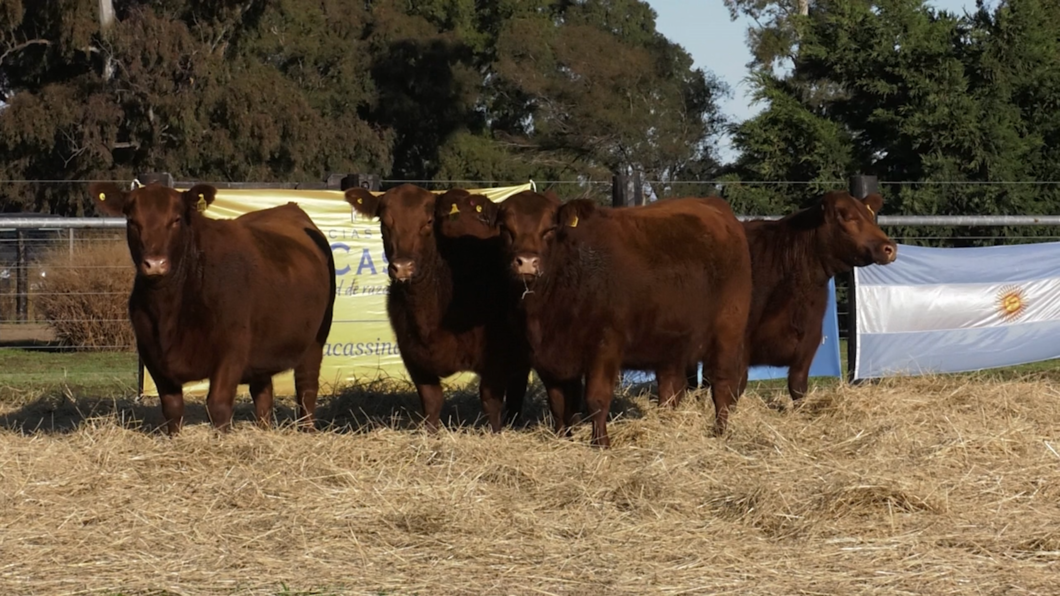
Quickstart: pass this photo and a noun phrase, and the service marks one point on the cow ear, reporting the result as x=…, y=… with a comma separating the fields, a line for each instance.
x=874, y=202
x=446, y=204
x=108, y=198
x=485, y=209
x=363, y=202
x=200, y=197
x=574, y=212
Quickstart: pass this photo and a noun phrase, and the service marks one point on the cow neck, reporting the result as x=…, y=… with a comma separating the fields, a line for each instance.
x=180, y=291
x=429, y=293
x=807, y=247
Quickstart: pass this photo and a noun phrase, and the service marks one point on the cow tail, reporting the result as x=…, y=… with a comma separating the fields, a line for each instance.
x=322, y=242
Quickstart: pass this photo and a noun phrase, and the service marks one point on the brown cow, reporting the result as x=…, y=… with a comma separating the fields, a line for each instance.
x=649, y=288
x=232, y=300
x=792, y=259
x=449, y=302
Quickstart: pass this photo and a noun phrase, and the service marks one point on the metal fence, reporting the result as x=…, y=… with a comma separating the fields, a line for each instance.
x=37, y=250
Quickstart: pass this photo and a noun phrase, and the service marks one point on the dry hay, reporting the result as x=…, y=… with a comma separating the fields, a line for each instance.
x=922, y=486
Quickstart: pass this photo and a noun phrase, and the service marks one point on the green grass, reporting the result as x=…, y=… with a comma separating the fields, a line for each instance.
x=27, y=371
x=37, y=370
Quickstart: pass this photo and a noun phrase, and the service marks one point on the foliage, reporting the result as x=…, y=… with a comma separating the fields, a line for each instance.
x=84, y=296
x=292, y=90
x=955, y=104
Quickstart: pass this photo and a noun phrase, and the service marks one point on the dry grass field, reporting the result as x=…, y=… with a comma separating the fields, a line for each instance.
x=917, y=486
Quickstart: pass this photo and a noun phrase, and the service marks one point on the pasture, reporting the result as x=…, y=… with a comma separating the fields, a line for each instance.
x=917, y=486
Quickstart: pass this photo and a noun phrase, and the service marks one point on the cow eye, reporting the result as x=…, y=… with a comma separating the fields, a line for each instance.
x=548, y=232
x=175, y=222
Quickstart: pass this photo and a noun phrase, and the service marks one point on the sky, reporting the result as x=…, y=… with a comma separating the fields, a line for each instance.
x=719, y=45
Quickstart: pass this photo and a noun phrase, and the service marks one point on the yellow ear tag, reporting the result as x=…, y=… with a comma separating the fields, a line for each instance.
x=870, y=210
x=201, y=205
x=574, y=222
x=360, y=201
x=454, y=210
x=478, y=208
x=103, y=196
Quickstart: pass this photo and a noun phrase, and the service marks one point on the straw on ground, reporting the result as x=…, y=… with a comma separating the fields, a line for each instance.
x=916, y=486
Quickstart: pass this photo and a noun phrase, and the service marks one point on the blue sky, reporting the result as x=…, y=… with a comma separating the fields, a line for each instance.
x=719, y=44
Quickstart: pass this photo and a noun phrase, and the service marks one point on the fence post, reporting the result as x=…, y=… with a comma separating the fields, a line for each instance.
x=163, y=178
x=346, y=181
x=861, y=186
x=21, y=278
x=638, y=188
x=619, y=190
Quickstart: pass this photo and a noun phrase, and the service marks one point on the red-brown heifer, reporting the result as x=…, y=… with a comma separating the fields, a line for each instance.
x=792, y=260
x=233, y=301
x=449, y=303
x=648, y=288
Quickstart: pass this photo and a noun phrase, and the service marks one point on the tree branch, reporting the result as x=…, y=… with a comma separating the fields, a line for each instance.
x=22, y=46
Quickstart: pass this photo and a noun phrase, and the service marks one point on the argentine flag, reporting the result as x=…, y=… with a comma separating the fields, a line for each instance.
x=942, y=310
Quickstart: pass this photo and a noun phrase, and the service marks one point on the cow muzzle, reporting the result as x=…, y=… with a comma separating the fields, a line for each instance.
x=526, y=266
x=154, y=266
x=886, y=253
x=402, y=270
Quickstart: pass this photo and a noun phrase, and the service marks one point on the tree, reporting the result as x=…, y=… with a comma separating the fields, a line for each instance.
x=221, y=91
x=900, y=90
x=291, y=90
x=594, y=80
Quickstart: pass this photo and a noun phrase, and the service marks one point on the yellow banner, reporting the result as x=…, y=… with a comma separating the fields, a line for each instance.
x=361, y=346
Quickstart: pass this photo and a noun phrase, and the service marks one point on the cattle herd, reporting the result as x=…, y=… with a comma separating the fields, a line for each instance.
x=575, y=291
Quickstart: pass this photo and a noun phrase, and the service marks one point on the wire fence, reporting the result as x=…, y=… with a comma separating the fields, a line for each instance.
x=64, y=282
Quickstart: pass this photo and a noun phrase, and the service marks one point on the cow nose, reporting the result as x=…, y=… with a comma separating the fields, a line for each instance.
x=890, y=253
x=402, y=269
x=155, y=266
x=527, y=265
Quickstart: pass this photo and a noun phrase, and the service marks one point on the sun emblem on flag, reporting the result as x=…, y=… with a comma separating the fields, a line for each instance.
x=1011, y=302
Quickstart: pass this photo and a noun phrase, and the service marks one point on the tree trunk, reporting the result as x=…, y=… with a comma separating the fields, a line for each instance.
x=106, y=14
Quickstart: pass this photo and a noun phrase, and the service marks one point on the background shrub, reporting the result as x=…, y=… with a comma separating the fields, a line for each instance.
x=84, y=294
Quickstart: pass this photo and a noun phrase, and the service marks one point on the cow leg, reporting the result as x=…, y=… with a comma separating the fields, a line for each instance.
x=692, y=377
x=562, y=403
x=491, y=392
x=599, y=390
x=222, y=396
x=429, y=388
x=799, y=378
x=672, y=385
x=171, y=397
x=728, y=371
x=261, y=392
x=799, y=370
x=307, y=385
x=514, y=393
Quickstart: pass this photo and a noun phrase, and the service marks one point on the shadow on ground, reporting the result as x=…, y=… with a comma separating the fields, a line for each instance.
x=354, y=409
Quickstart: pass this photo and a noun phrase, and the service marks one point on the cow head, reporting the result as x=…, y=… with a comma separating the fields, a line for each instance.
x=158, y=219
x=406, y=220
x=462, y=214
x=528, y=222
x=853, y=237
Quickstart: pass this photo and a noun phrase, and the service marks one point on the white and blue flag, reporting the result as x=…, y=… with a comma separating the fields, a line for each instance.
x=942, y=310
x=826, y=362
